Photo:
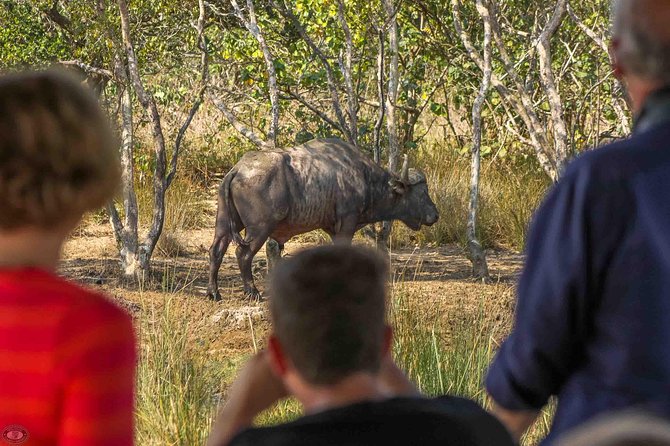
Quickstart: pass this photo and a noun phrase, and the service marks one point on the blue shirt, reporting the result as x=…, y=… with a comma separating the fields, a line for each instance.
x=593, y=313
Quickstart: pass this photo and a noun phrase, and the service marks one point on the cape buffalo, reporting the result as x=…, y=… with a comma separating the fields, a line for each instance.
x=323, y=184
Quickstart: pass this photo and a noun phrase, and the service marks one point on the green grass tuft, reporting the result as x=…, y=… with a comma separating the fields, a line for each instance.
x=176, y=388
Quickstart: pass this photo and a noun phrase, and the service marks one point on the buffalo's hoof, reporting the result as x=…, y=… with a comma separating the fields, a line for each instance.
x=253, y=295
x=215, y=296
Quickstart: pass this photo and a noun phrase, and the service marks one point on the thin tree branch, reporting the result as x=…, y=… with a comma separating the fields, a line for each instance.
x=243, y=129
x=86, y=68
x=620, y=88
x=382, y=99
x=251, y=24
x=323, y=116
x=346, y=68
x=330, y=76
x=199, y=99
x=393, y=85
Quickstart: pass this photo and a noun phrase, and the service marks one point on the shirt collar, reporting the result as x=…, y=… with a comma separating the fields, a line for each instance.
x=656, y=110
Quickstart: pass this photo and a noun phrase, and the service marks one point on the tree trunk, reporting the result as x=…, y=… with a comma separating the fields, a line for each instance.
x=393, y=82
x=251, y=23
x=477, y=256
x=160, y=166
x=135, y=255
x=347, y=72
x=390, y=105
x=382, y=99
x=126, y=232
x=548, y=81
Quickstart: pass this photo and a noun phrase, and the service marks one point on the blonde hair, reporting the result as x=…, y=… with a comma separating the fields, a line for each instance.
x=58, y=156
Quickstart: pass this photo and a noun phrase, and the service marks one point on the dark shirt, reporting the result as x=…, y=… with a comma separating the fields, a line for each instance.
x=445, y=421
x=593, y=312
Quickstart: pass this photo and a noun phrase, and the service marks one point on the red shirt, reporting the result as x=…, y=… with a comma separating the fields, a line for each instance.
x=67, y=363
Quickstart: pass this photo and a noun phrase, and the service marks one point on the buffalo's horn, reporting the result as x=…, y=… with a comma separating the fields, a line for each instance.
x=404, y=177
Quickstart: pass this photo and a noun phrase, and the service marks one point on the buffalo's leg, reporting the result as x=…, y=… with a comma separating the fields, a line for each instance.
x=273, y=251
x=245, y=256
x=346, y=232
x=216, y=253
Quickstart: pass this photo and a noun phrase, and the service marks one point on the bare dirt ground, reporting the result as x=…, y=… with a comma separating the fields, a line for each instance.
x=438, y=279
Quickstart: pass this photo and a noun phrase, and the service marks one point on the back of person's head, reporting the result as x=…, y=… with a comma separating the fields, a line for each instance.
x=641, y=29
x=328, y=311
x=58, y=157
x=622, y=429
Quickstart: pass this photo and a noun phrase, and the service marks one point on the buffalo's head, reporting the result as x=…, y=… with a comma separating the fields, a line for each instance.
x=414, y=205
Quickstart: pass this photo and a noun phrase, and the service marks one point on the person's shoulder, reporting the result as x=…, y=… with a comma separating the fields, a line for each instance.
x=624, y=159
x=88, y=313
x=395, y=421
x=258, y=436
x=457, y=404
x=483, y=426
x=86, y=302
x=60, y=297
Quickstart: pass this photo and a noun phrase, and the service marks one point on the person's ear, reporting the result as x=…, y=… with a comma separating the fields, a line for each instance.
x=617, y=68
x=388, y=340
x=276, y=356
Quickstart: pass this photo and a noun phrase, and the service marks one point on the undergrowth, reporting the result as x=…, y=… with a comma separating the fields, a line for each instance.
x=508, y=197
x=176, y=389
x=180, y=386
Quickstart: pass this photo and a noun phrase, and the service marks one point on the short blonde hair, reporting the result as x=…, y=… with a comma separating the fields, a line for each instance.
x=58, y=156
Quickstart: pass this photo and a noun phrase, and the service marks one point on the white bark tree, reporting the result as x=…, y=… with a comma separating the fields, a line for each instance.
x=381, y=92
x=477, y=255
x=552, y=152
x=251, y=23
x=620, y=100
x=136, y=252
x=346, y=67
x=388, y=101
x=393, y=84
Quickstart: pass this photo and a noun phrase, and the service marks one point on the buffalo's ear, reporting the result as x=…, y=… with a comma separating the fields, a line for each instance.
x=398, y=186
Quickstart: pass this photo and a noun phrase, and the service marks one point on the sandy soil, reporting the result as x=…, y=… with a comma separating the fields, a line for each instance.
x=437, y=279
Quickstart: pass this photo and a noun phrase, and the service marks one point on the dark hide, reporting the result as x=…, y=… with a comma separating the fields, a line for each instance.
x=324, y=184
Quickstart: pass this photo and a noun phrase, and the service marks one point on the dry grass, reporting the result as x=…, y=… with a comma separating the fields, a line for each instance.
x=186, y=208
x=508, y=198
x=445, y=347
x=176, y=389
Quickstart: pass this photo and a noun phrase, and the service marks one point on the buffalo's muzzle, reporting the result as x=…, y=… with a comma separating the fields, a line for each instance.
x=432, y=218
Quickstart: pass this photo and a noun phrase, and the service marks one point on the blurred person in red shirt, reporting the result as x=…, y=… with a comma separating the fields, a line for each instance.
x=67, y=354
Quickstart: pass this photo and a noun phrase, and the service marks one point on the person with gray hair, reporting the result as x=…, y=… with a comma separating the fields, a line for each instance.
x=641, y=42
x=593, y=311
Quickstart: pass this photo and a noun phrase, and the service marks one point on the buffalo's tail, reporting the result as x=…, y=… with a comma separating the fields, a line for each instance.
x=230, y=207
